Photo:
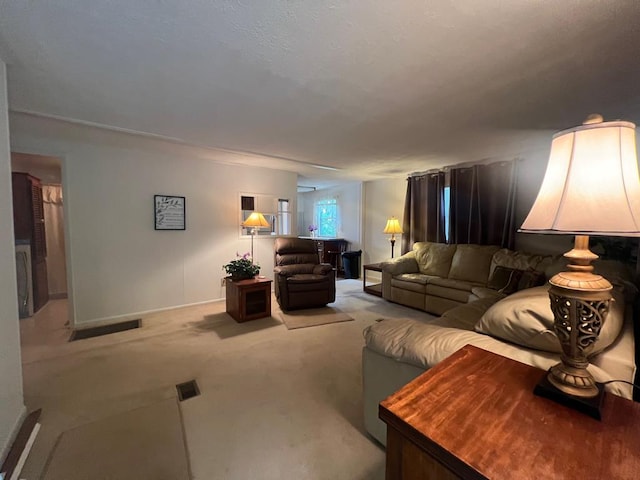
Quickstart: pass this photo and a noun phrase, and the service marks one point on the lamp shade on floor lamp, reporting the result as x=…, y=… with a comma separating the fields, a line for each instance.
x=255, y=221
x=392, y=227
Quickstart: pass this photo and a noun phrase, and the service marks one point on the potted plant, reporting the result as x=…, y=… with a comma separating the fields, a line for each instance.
x=242, y=267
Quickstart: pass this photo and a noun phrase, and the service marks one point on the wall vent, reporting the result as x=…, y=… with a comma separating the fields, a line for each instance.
x=105, y=330
x=187, y=390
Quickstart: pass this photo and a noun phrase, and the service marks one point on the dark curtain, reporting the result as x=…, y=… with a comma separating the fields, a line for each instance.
x=482, y=208
x=423, y=210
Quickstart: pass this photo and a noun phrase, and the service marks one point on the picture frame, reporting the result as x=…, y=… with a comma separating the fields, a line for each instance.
x=169, y=212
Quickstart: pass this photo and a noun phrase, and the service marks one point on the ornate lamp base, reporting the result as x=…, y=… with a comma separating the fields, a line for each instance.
x=591, y=406
x=580, y=304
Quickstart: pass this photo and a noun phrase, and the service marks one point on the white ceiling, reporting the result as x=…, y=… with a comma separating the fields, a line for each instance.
x=375, y=88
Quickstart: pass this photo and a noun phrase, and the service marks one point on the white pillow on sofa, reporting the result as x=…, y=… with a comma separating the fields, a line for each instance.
x=525, y=318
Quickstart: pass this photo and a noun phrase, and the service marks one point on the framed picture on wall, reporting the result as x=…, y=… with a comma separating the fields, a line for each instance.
x=169, y=212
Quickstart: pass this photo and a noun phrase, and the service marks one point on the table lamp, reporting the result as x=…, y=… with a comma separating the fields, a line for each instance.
x=255, y=221
x=591, y=187
x=392, y=227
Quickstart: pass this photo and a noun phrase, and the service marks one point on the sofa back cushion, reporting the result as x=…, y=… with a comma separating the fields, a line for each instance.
x=434, y=258
x=471, y=263
x=518, y=260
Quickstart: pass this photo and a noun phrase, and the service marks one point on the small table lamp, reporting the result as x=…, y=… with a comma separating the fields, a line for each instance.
x=393, y=227
x=591, y=187
x=255, y=221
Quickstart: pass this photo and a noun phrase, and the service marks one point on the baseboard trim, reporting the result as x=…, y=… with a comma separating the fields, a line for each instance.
x=21, y=446
x=98, y=322
x=4, y=449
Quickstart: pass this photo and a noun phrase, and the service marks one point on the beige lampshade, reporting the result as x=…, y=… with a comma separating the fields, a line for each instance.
x=393, y=226
x=591, y=186
x=256, y=220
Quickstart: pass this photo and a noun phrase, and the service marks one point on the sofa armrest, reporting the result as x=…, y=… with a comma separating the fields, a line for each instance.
x=405, y=264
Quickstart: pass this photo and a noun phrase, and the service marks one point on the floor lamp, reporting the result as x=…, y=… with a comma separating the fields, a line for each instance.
x=255, y=221
x=591, y=187
x=393, y=227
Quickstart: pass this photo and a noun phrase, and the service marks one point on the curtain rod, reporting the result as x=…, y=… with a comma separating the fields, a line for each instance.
x=487, y=161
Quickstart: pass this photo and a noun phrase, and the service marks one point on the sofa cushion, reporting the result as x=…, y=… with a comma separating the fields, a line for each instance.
x=434, y=258
x=415, y=282
x=472, y=263
x=461, y=296
x=525, y=318
x=449, y=283
x=467, y=315
x=485, y=292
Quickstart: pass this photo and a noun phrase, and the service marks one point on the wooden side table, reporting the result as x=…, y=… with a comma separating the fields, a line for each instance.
x=474, y=416
x=375, y=289
x=248, y=299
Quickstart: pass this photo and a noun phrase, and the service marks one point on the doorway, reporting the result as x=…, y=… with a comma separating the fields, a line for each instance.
x=48, y=281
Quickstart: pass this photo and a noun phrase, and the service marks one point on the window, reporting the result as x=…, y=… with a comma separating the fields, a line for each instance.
x=446, y=203
x=326, y=213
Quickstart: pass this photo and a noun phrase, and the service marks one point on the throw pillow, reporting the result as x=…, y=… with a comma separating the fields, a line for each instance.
x=525, y=318
x=505, y=280
x=531, y=278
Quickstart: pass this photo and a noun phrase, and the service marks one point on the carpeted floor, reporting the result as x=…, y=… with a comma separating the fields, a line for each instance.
x=149, y=438
x=312, y=317
x=274, y=403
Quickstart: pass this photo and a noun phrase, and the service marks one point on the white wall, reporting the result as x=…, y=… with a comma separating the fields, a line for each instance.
x=382, y=199
x=11, y=400
x=119, y=265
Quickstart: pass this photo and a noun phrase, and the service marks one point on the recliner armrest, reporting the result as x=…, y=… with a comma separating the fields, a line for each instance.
x=322, y=269
x=289, y=270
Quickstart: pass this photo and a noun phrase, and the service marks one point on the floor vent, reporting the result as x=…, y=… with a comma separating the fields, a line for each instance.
x=187, y=390
x=105, y=330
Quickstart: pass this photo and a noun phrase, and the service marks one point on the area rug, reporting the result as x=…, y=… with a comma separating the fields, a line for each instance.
x=312, y=317
x=145, y=444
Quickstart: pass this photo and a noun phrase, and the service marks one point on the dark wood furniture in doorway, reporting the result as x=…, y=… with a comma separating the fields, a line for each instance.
x=373, y=289
x=28, y=225
x=248, y=299
x=330, y=251
x=474, y=416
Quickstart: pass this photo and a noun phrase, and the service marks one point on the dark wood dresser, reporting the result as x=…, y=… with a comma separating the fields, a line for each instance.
x=330, y=251
x=28, y=225
x=474, y=416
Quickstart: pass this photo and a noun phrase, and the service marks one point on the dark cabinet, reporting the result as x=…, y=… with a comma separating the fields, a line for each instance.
x=248, y=299
x=330, y=251
x=28, y=224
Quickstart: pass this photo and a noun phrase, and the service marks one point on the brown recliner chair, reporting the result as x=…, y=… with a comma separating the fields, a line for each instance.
x=301, y=281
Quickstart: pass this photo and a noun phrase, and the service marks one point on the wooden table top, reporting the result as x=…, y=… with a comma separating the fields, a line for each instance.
x=250, y=281
x=476, y=412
